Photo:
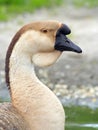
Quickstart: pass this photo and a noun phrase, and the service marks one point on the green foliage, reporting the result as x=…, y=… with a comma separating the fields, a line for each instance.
x=80, y=115
x=8, y=8
x=30, y=2
x=85, y=3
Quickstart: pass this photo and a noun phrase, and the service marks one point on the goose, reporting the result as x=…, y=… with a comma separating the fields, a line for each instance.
x=33, y=105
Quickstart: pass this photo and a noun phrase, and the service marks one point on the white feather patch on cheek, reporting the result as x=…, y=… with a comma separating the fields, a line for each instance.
x=43, y=59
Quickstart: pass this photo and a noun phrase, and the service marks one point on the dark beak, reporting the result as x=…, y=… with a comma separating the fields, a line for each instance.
x=63, y=43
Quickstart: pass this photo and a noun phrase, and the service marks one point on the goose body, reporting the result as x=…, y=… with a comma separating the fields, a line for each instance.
x=33, y=105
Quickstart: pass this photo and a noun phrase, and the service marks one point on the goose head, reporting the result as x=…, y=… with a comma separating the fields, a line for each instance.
x=51, y=41
x=43, y=42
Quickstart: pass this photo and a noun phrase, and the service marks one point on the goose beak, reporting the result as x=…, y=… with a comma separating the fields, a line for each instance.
x=63, y=43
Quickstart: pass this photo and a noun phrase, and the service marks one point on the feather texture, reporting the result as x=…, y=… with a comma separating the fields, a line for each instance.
x=10, y=119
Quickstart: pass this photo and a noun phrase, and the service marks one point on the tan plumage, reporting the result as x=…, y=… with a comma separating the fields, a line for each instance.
x=10, y=118
x=33, y=105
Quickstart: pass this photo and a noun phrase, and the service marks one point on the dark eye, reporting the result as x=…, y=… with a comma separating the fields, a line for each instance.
x=44, y=30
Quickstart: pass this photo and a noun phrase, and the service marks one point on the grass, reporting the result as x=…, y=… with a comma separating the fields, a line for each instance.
x=80, y=115
x=85, y=3
x=10, y=8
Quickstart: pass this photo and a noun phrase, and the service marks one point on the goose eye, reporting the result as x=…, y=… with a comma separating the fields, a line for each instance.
x=44, y=30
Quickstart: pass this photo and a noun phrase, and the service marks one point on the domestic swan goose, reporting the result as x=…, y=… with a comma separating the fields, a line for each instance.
x=33, y=105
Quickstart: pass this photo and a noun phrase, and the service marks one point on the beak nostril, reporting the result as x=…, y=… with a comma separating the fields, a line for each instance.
x=66, y=40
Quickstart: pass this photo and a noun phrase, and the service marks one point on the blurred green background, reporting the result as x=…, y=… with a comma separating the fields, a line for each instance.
x=9, y=8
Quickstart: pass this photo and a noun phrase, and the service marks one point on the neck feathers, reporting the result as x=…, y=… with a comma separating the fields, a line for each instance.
x=8, y=54
x=10, y=49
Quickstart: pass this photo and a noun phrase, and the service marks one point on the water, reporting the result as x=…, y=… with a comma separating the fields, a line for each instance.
x=89, y=125
x=73, y=126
